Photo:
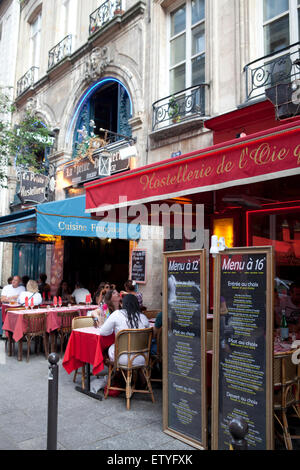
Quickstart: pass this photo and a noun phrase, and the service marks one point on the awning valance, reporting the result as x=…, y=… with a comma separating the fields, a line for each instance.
x=262, y=156
x=62, y=218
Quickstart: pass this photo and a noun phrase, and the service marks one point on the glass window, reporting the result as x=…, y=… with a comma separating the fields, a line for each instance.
x=187, y=48
x=177, y=79
x=178, y=50
x=277, y=35
x=178, y=19
x=35, y=39
x=281, y=24
x=274, y=8
x=280, y=229
x=198, y=39
x=198, y=70
x=198, y=10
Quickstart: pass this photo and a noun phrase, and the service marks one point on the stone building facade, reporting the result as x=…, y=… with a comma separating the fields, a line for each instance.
x=161, y=69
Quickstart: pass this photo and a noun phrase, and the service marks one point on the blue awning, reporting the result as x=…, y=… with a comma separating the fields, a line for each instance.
x=64, y=218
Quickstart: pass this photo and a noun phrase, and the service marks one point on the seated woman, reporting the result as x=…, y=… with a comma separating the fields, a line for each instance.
x=64, y=292
x=101, y=291
x=32, y=292
x=129, y=317
x=129, y=287
x=111, y=302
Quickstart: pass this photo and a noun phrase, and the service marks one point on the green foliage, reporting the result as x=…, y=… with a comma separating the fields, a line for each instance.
x=174, y=109
x=22, y=144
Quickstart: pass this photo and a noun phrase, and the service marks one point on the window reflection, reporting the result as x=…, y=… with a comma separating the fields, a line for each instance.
x=282, y=231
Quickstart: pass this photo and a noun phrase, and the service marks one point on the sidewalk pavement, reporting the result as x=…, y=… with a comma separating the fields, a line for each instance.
x=83, y=422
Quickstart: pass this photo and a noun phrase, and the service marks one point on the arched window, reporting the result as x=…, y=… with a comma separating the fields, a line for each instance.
x=108, y=105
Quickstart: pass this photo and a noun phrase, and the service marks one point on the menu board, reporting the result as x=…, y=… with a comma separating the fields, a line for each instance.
x=243, y=333
x=138, y=266
x=184, y=401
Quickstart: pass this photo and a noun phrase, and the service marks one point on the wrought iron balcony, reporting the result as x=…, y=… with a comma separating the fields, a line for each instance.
x=27, y=80
x=274, y=69
x=104, y=13
x=182, y=106
x=60, y=51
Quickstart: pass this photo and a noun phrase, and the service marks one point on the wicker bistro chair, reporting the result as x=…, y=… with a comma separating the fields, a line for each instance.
x=156, y=359
x=65, y=327
x=132, y=343
x=151, y=313
x=36, y=326
x=286, y=394
x=81, y=322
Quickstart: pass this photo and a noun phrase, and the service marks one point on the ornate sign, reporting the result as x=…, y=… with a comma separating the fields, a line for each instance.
x=35, y=187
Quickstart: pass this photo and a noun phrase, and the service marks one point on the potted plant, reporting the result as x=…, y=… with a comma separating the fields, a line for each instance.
x=174, y=110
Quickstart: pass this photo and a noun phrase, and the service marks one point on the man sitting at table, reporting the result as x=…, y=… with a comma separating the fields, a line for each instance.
x=11, y=292
x=32, y=292
x=80, y=293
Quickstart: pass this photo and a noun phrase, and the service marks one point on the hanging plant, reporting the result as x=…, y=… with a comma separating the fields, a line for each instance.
x=20, y=144
x=174, y=110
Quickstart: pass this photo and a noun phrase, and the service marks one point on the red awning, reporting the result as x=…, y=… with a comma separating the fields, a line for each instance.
x=258, y=157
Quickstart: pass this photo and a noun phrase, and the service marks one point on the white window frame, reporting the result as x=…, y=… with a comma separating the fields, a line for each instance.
x=293, y=22
x=188, y=37
x=35, y=40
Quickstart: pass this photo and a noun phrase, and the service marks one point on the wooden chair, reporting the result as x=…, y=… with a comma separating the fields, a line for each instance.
x=81, y=322
x=156, y=359
x=9, y=341
x=286, y=394
x=36, y=326
x=131, y=343
x=151, y=313
x=65, y=328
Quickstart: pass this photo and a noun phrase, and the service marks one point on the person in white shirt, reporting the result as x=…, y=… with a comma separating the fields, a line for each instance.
x=129, y=317
x=11, y=292
x=32, y=292
x=80, y=293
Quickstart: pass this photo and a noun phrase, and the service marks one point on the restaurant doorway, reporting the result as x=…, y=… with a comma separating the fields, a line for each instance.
x=92, y=260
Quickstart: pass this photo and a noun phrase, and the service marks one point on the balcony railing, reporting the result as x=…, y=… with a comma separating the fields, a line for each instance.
x=278, y=68
x=182, y=106
x=104, y=13
x=27, y=80
x=60, y=51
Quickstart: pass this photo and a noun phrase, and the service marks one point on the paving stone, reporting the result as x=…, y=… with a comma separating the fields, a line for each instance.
x=83, y=422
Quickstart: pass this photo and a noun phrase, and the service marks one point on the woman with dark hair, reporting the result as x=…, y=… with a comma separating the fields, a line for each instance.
x=129, y=287
x=64, y=292
x=111, y=302
x=100, y=292
x=129, y=317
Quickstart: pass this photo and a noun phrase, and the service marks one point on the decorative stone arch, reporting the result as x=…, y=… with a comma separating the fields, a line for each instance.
x=46, y=118
x=32, y=10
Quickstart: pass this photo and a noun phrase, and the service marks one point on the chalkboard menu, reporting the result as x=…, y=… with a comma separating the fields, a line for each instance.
x=243, y=346
x=184, y=340
x=172, y=243
x=138, y=266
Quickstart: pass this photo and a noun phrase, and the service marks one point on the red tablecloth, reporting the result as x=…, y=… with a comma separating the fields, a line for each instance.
x=16, y=321
x=86, y=345
x=5, y=307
